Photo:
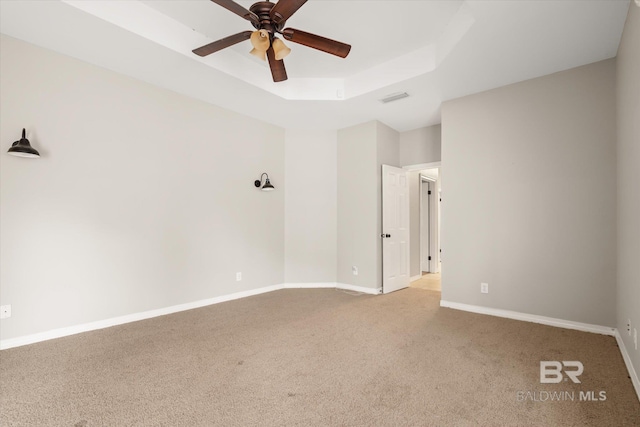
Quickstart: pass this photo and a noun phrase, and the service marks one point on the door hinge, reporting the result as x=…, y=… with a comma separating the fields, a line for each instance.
x=429, y=192
x=429, y=257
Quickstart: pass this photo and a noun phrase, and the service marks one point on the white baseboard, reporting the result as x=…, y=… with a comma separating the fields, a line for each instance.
x=332, y=285
x=627, y=361
x=101, y=324
x=309, y=285
x=550, y=321
x=414, y=278
x=561, y=323
x=362, y=289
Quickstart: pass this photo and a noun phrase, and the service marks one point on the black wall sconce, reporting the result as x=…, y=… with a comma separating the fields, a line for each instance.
x=23, y=148
x=267, y=184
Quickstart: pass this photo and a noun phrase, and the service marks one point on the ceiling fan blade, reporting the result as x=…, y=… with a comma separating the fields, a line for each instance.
x=222, y=43
x=238, y=10
x=284, y=9
x=278, y=72
x=317, y=42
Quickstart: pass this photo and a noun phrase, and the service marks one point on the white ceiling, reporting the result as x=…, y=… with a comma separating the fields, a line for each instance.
x=433, y=50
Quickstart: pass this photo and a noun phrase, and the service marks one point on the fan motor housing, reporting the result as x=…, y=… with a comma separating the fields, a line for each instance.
x=263, y=10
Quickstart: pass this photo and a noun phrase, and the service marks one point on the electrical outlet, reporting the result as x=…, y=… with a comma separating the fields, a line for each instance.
x=484, y=288
x=629, y=326
x=5, y=311
x=238, y=276
x=354, y=270
x=635, y=337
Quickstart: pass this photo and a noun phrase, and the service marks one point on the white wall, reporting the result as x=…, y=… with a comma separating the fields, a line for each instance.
x=142, y=198
x=421, y=145
x=628, y=126
x=310, y=206
x=362, y=149
x=357, y=205
x=529, y=173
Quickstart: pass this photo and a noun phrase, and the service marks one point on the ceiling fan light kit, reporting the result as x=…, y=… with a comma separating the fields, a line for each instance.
x=269, y=19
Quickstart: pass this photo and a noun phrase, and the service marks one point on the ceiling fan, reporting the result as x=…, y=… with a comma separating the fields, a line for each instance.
x=269, y=19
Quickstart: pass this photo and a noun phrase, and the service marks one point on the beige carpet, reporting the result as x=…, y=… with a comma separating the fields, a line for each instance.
x=314, y=357
x=428, y=281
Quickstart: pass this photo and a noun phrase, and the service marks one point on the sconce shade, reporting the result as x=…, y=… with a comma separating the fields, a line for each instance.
x=267, y=186
x=23, y=148
x=281, y=50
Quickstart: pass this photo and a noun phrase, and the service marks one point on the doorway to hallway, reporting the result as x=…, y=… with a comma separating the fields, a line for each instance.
x=425, y=226
x=428, y=281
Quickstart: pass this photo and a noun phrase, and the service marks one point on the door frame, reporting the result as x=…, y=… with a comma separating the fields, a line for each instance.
x=431, y=165
x=421, y=166
x=432, y=225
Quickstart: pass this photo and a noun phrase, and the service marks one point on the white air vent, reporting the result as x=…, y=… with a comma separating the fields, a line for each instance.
x=394, y=97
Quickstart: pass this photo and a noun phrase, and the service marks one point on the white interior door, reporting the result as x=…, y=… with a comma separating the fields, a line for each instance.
x=395, y=229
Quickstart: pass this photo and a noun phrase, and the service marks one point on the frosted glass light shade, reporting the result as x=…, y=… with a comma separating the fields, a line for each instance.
x=260, y=40
x=259, y=54
x=281, y=50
